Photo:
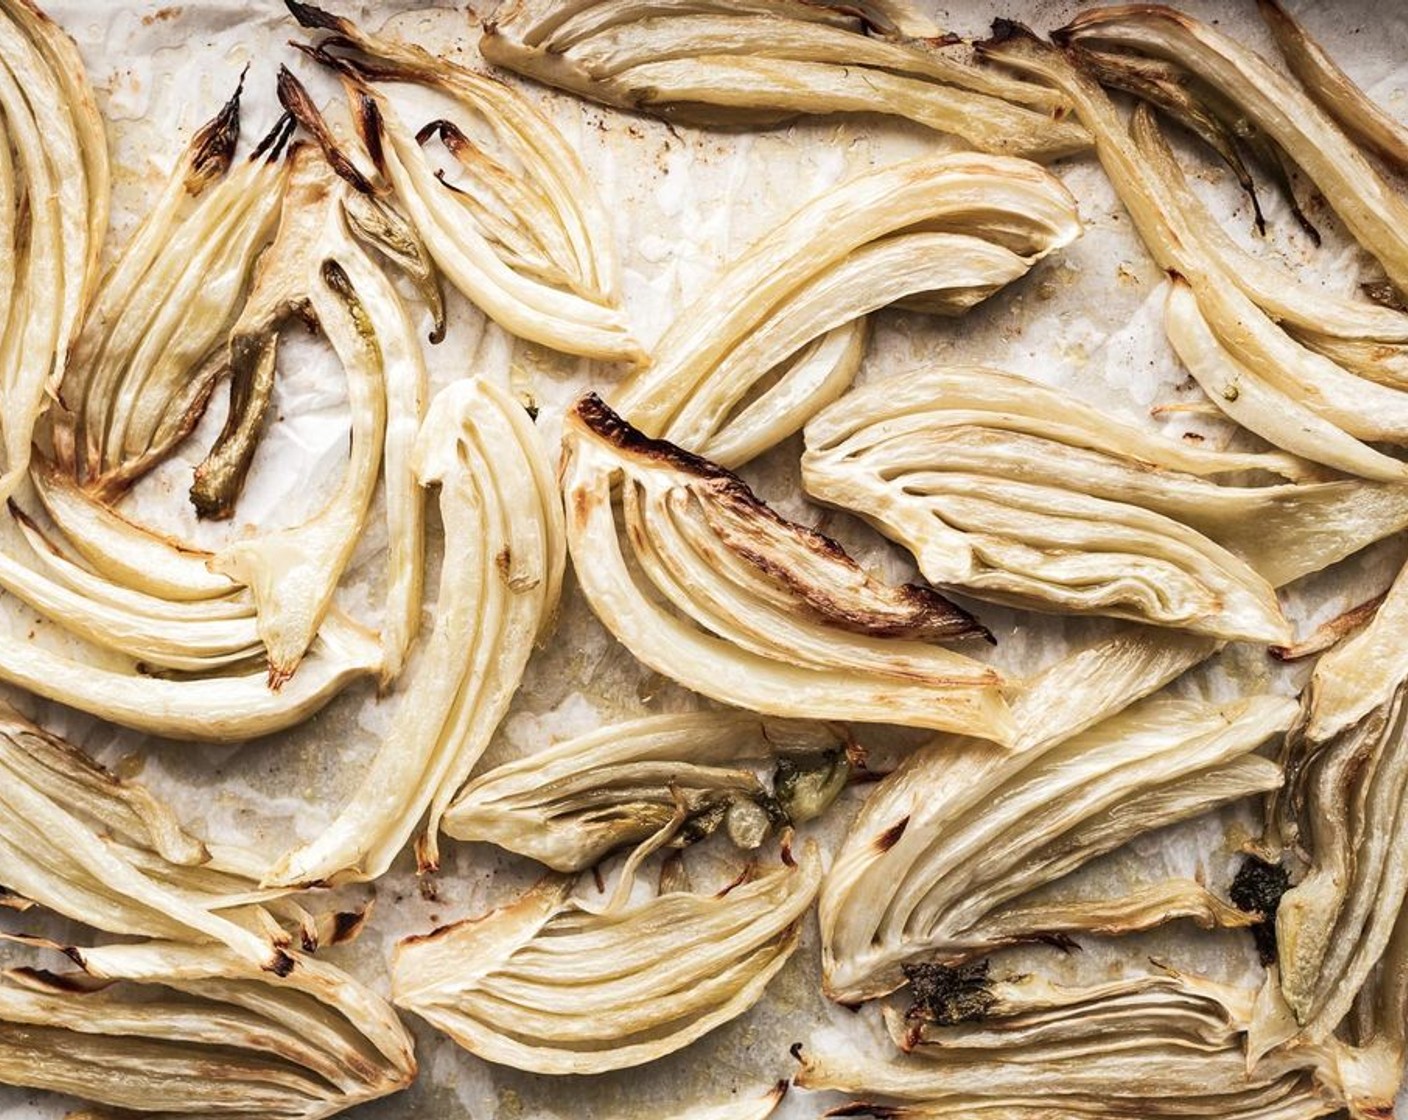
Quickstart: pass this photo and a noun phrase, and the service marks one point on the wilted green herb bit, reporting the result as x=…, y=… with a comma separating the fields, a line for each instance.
x=946, y=996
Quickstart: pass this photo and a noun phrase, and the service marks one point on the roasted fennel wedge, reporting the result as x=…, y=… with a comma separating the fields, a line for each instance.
x=763, y=62
x=1249, y=365
x=715, y=590
x=1333, y=90
x=685, y=775
x=203, y=622
x=83, y=843
x=153, y=344
x=1260, y=99
x=1022, y=1048
x=519, y=229
x=1013, y=491
x=225, y=707
x=171, y=608
x=172, y=646
x=550, y=985
x=1335, y=823
x=783, y=330
x=499, y=585
x=187, y=1031
x=936, y=865
x=54, y=197
x=315, y=269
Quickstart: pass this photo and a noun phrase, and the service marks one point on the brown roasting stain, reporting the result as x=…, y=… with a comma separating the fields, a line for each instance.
x=803, y=561
x=164, y=15
x=581, y=506
x=347, y=924
x=891, y=836
x=1330, y=633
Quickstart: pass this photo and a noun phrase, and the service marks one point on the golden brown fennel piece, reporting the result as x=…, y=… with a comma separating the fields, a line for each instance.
x=717, y=591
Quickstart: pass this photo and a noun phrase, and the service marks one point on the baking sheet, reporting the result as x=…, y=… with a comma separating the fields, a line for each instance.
x=685, y=202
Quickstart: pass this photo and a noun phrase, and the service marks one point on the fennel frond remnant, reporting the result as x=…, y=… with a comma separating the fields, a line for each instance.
x=192, y=1031
x=572, y=804
x=1012, y=491
x=937, y=865
x=54, y=197
x=715, y=590
x=764, y=62
x=549, y=985
x=499, y=586
x=783, y=330
x=1238, y=322
x=519, y=230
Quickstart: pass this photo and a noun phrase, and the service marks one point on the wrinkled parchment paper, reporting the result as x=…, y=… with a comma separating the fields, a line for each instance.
x=684, y=203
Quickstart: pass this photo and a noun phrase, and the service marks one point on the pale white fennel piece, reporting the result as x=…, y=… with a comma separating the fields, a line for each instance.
x=1251, y=367
x=936, y=865
x=550, y=985
x=54, y=197
x=1370, y=208
x=522, y=233
x=782, y=331
x=762, y=62
x=193, y=1031
x=83, y=843
x=164, y=605
x=499, y=587
x=1013, y=491
x=751, y=1108
x=1334, y=825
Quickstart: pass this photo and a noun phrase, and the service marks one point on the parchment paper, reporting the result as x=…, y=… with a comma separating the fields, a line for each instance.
x=684, y=202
